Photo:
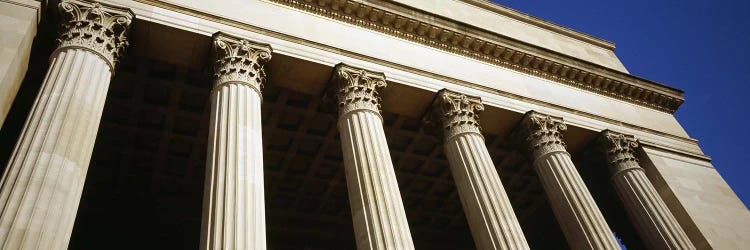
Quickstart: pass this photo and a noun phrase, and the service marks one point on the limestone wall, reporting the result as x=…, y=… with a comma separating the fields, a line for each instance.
x=704, y=204
x=18, y=23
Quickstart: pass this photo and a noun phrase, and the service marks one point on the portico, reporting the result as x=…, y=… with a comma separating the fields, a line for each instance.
x=245, y=137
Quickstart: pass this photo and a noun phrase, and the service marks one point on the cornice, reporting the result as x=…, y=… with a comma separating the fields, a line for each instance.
x=455, y=37
x=532, y=20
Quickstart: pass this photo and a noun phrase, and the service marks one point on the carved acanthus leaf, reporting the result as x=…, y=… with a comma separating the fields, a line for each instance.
x=357, y=89
x=239, y=61
x=456, y=113
x=102, y=29
x=620, y=149
x=542, y=134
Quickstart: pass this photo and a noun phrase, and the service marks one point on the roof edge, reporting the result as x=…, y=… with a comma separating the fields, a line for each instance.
x=541, y=23
x=455, y=37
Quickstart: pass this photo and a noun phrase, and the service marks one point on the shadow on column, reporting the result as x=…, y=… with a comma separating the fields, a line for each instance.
x=526, y=194
x=592, y=166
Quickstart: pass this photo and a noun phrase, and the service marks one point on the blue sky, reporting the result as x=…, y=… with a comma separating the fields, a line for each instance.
x=701, y=47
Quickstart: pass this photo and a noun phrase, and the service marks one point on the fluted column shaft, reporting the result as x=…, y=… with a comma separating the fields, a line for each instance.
x=488, y=210
x=233, y=201
x=377, y=210
x=42, y=184
x=651, y=217
x=582, y=223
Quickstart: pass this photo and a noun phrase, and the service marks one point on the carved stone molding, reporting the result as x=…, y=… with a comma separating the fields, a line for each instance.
x=357, y=89
x=456, y=113
x=100, y=28
x=239, y=61
x=620, y=150
x=542, y=134
x=459, y=38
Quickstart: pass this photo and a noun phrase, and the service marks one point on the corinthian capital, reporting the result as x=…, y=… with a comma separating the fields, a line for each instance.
x=456, y=113
x=357, y=89
x=239, y=61
x=97, y=27
x=542, y=134
x=620, y=149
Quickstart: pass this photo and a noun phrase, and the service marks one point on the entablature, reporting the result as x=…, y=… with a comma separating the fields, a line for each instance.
x=581, y=109
x=455, y=37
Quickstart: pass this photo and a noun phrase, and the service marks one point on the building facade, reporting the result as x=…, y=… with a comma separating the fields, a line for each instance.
x=339, y=124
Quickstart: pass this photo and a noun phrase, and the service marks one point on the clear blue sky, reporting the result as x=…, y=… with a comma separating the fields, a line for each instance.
x=701, y=47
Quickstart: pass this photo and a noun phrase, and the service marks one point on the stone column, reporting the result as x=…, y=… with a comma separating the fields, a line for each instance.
x=377, y=210
x=488, y=211
x=42, y=184
x=581, y=221
x=233, y=204
x=652, y=219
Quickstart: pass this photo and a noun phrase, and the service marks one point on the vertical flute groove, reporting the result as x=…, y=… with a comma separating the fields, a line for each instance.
x=234, y=217
x=377, y=210
x=379, y=222
x=651, y=217
x=488, y=210
x=583, y=225
x=44, y=179
x=42, y=184
x=233, y=201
